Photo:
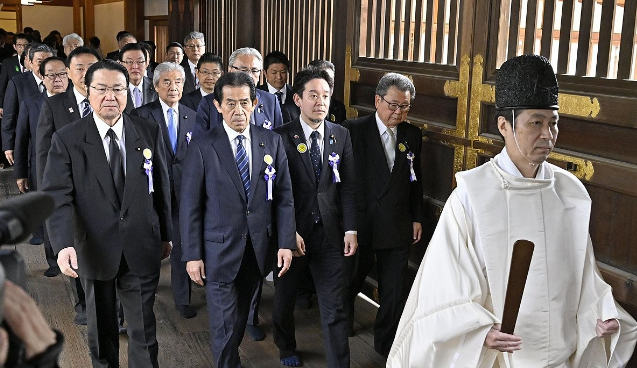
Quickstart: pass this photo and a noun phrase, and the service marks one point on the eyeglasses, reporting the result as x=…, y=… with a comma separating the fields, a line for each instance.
x=136, y=62
x=394, y=106
x=21, y=44
x=196, y=46
x=101, y=90
x=60, y=75
x=246, y=70
x=207, y=73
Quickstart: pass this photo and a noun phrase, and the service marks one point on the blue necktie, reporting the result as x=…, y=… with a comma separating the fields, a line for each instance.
x=172, y=129
x=87, y=108
x=138, y=96
x=242, y=165
x=315, y=155
x=279, y=96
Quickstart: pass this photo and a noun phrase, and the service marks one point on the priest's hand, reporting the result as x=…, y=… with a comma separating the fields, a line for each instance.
x=502, y=341
x=417, y=232
x=606, y=328
x=196, y=271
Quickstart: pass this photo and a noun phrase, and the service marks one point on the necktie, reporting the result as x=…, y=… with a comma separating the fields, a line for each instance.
x=197, y=85
x=172, y=129
x=115, y=161
x=315, y=155
x=279, y=96
x=390, y=148
x=137, y=94
x=242, y=165
x=41, y=87
x=86, y=108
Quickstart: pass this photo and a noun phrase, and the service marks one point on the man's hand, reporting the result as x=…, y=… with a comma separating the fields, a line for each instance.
x=9, y=155
x=417, y=232
x=67, y=261
x=1, y=112
x=300, y=246
x=196, y=271
x=284, y=260
x=166, y=248
x=606, y=328
x=27, y=322
x=351, y=243
x=502, y=341
x=23, y=185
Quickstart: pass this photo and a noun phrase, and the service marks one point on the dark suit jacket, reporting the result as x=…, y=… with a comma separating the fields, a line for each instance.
x=113, y=55
x=87, y=212
x=216, y=219
x=10, y=68
x=153, y=112
x=289, y=110
x=335, y=201
x=268, y=108
x=189, y=84
x=387, y=203
x=24, y=152
x=337, y=113
x=20, y=87
x=148, y=95
x=191, y=99
x=56, y=112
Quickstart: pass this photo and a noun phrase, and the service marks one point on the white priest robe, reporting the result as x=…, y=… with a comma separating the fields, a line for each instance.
x=459, y=291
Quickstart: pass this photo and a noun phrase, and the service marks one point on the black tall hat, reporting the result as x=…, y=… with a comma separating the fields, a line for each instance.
x=526, y=82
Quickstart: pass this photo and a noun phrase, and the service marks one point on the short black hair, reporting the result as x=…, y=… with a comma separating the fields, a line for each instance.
x=301, y=78
x=147, y=49
x=95, y=41
x=322, y=65
x=238, y=79
x=123, y=34
x=48, y=60
x=104, y=64
x=80, y=51
x=28, y=29
x=174, y=44
x=18, y=36
x=151, y=44
x=209, y=57
x=133, y=46
x=275, y=57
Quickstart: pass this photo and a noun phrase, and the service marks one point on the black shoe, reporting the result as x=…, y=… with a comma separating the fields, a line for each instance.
x=36, y=240
x=80, y=318
x=255, y=333
x=186, y=311
x=52, y=271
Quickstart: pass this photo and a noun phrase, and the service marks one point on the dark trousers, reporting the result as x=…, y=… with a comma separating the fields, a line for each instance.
x=40, y=231
x=253, y=315
x=391, y=290
x=228, y=308
x=179, y=279
x=137, y=296
x=325, y=262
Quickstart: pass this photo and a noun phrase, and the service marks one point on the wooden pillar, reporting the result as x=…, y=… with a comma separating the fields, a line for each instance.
x=250, y=23
x=77, y=17
x=134, y=18
x=89, y=19
x=181, y=19
x=18, y=18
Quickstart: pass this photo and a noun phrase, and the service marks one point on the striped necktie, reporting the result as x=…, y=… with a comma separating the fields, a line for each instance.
x=86, y=109
x=242, y=165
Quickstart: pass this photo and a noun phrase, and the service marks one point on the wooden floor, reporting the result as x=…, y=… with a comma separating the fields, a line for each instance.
x=185, y=343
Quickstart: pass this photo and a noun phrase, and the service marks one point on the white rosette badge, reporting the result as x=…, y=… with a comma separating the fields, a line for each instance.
x=412, y=173
x=269, y=176
x=148, y=168
x=335, y=160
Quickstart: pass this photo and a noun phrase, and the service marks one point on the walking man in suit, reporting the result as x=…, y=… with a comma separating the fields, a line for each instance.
x=195, y=46
x=209, y=69
x=388, y=200
x=238, y=183
x=11, y=66
x=56, y=81
x=275, y=70
x=322, y=171
x=174, y=53
x=123, y=39
x=111, y=225
x=140, y=89
x=56, y=112
x=337, y=108
x=177, y=122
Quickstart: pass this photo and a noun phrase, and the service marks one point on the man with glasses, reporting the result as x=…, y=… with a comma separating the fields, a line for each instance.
x=194, y=46
x=389, y=200
x=267, y=112
x=209, y=69
x=107, y=173
x=12, y=66
x=140, y=89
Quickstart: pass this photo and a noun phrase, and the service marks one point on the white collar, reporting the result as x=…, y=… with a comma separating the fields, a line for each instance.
x=274, y=90
x=140, y=86
x=165, y=107
x=78, y=96
x=307, y=130
x=232, y=134
x=37, y=79
x=504, y=162
x=382, y=128
x=103, y=128
x=203, y=93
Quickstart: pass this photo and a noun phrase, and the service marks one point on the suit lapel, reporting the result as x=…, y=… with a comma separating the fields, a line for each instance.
x=134, y=162
x=158, y=114
x=328, y=148
x=297, y=137
x=375, y=149
x=401, y=157
x=70, y=106
x=221, y=145
x=258, y=152
x=94, y=150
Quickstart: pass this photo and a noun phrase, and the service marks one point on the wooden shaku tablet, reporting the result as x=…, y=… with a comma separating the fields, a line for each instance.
x=520, y=262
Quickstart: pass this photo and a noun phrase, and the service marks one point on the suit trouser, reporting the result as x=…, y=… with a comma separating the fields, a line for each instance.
x=228, y=308
x=179, y=279
x=40, y=231
x=391, y=290
x=325, y=261
x=137, y=296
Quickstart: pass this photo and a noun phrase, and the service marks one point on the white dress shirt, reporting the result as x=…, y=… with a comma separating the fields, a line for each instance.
x=232, y=136
x=307, y=130
x=140, y=86
x=165, y=108
x=118, y=128
x=79, y=99
x=382, y=128
x=274, y=90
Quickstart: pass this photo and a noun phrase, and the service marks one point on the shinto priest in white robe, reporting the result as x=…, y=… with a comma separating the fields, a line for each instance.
x=460, y=287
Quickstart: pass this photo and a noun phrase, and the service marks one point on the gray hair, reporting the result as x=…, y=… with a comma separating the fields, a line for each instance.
x=167, y=67
x=245, y=51
x=193, y=36
x=72, y=36
x=399, y=81
x=40, y=48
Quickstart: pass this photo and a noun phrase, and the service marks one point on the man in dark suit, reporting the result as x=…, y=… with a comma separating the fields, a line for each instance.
x=322, y=170
x=195, y=46
x=238, y=183
x=11, y=66
x=275, y=70
x=20, y=88
x=174, y=53
x=337, y=113
x=388, y=199
x=56, y=81
x=123, y=39
x=177, y=122
x=111, y=225
x=209, y=69
x=58, y=111
x=267, y=113
x=140, y=90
